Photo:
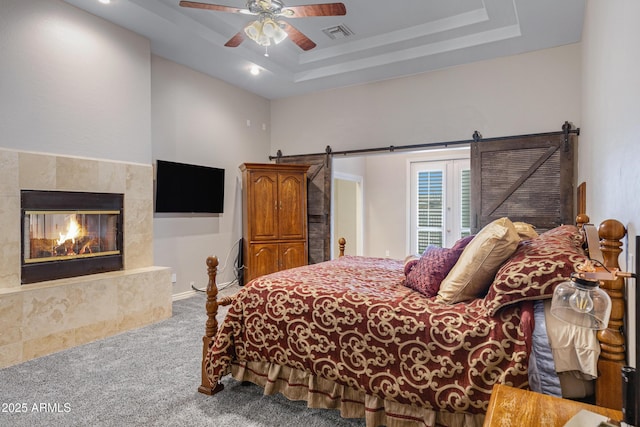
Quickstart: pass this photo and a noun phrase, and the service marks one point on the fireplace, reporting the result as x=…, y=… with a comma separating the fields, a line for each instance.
x=67, y=234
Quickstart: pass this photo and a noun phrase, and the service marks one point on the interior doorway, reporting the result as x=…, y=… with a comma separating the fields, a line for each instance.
x=347, y=204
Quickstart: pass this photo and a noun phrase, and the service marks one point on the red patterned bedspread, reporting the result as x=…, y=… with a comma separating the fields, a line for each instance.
x=352, y=321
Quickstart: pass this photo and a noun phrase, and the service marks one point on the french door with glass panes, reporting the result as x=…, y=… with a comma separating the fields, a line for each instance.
x=440, y=203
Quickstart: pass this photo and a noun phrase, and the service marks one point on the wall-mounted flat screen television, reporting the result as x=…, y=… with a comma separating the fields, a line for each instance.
x=186, y=188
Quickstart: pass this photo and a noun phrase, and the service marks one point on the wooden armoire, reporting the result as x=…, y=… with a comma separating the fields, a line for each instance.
x=274, y=217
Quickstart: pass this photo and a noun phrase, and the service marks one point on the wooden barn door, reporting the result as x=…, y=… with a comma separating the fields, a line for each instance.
x=318, y=204
x=526, y=178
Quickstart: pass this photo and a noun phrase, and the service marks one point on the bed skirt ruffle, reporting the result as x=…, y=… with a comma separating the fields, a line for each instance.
x=327, y=394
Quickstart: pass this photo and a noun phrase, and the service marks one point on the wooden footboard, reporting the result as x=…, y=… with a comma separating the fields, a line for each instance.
x=211, y=326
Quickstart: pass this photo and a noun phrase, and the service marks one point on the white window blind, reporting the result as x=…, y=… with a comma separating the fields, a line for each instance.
x=430, y=209
x=465, y=200
x=440, y=203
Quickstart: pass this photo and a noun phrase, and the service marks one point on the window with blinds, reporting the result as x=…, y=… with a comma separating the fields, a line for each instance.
x=430, y=209
x=440, y=203
x=465, y=202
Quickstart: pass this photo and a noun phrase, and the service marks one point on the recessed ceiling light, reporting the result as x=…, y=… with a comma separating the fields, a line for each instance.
x=255, y=70
x=105, y=1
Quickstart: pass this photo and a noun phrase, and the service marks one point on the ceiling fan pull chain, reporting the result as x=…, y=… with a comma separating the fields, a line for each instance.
x=266, y=51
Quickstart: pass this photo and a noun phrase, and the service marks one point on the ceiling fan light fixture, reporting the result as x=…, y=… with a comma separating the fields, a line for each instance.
x=253, y=30
x=270, y=27
x=264, y=31
x=263, y=40
x=278, y=33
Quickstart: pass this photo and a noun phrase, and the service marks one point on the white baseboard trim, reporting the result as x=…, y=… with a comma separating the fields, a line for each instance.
x=183, y=295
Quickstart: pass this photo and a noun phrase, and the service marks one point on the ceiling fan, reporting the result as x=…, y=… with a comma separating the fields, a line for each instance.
x=268, y=28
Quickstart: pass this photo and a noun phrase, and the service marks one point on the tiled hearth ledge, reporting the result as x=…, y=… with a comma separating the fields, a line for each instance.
x=43, y=318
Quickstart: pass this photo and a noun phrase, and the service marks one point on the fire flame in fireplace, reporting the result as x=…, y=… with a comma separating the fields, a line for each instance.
x=73, y=231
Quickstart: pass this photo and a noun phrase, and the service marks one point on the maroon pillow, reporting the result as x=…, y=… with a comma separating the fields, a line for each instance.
x=536, y=267
x=425, y=274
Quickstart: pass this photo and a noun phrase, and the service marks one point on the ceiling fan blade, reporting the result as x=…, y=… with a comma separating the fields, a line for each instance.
x=208, y=6
x=297, y=37
x=324, y=9
x=235, y=40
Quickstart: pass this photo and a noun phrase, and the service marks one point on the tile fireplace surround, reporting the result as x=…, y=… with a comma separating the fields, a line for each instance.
x=42, y=318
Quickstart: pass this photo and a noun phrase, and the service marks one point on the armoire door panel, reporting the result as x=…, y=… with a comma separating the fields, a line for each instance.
x=292, y=255
x=264, y=205
x=264, y=259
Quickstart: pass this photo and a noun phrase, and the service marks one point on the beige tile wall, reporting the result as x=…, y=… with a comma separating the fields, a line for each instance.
x=42, y=318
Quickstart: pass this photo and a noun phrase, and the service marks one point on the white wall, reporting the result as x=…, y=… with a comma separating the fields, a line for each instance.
x=204, y=121
x=72, y=84
x=386, y=213
x=528, y=93
x=609, y=146
x=610, y=138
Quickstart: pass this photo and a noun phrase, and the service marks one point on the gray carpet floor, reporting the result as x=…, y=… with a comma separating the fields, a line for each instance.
x=145, y=377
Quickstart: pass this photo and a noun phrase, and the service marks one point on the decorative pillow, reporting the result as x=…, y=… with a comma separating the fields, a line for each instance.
x=525, y=231
x=425, y=274
x=536, y=267
x=409, y=262
x=473, y=273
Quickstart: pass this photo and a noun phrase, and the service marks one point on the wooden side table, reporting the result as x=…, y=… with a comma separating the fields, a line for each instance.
x=510, y=406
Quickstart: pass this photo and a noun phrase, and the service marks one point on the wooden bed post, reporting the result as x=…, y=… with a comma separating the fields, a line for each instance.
x=612, y=341
x=211, y=327
x=581, y=199
x=341, y=243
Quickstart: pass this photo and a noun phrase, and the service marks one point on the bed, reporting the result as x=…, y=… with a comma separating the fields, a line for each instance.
x=415, y=342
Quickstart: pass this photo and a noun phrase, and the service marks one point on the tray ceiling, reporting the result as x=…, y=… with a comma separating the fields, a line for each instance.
x=388, y=40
